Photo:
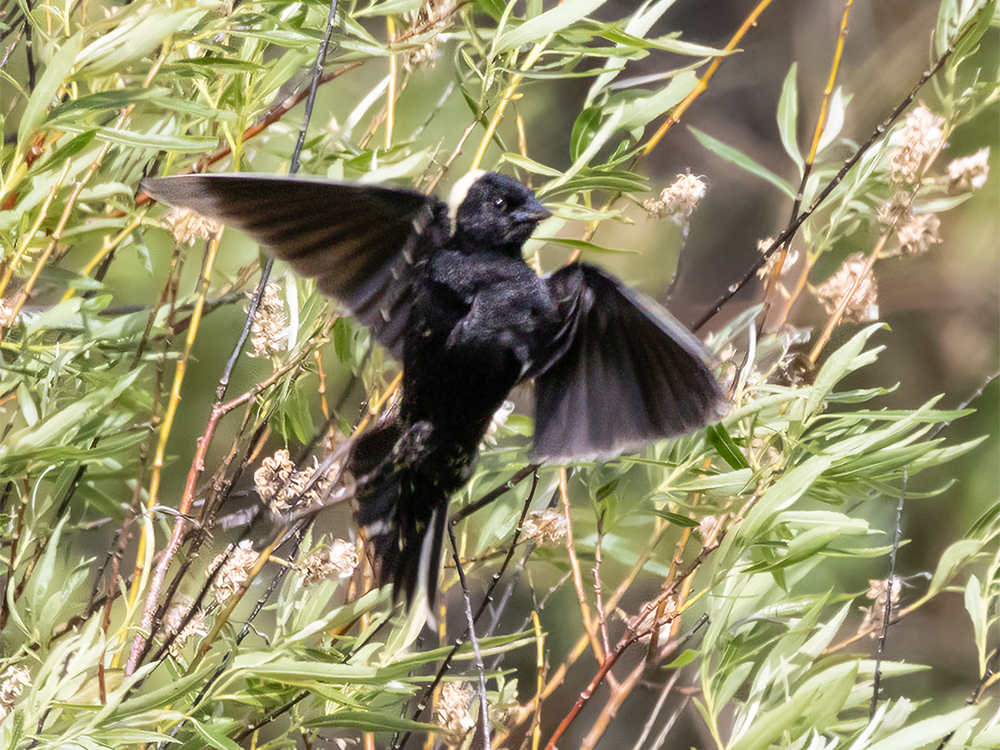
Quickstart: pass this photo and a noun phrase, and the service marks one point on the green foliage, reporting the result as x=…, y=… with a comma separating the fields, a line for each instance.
x=731, y=557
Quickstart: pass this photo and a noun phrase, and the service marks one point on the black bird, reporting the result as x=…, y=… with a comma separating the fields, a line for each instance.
x=453, y=300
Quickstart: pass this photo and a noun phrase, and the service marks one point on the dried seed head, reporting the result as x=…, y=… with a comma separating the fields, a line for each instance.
x=969, y=172
x=338, y=560
x=863, y=304
x=679, y=200
x=280, y=483
x=12, y=684
x=545, y=526
x=791, y=258
x=173, y=622
x=6, y=314
x=452, y=712
x=188, y=227
x=234, y=572
x=894, y=212
x=431, y=15
x=920, y=137
x=918, y=234
x=878, y=589
x=267, y=333
x=707, y=527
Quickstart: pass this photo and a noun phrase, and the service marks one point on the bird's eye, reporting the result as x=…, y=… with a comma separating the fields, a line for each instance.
x=499, y=202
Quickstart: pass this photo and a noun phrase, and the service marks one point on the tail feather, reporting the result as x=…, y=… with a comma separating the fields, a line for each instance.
x=400, y=508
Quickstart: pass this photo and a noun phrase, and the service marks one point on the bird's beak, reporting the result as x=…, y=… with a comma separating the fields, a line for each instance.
x=532, y=211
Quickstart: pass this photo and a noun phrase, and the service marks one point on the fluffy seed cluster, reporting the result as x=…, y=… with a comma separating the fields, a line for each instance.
x=707, y=527
x=338, y=560
x=188, y=227
x=920, y=137
x=862, y=307
x=280, y=483
x=14, y=681
x=234, y=572
x=430, y=16
x=970, y=172
x=791, y=258
x=544, y=526
x=878, y=590
x=453, y=711
x=679, y=199
x=173, y=622
x=918, y=234
x=650, y=619
x=267, y=332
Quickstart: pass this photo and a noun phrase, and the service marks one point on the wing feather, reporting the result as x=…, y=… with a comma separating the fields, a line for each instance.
x=362, y=243
x=619, y=371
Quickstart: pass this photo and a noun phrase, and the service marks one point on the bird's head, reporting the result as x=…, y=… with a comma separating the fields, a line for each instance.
x=495, y=212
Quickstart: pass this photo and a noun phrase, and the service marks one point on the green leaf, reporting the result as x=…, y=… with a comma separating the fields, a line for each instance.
x=551, y=22
x=529, y=165
x=924, y=733
x=836, y=114
x=687, y=656
x=675, y=518
x=586, y=125
x=846, y=359
x=213, y=738
x=369, y=721
x=154, y=141
x=389, y=7
x=46, y=88
x=588, y=247
x=788, y=116
x=718, y=438
x=782, y=494
x=742, y=161
x=952, y=559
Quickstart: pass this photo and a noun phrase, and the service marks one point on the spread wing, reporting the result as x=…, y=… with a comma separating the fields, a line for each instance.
x=619, y=371
x=362, y=243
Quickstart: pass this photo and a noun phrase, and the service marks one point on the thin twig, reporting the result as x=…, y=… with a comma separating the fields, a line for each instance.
x=887, y=613
x=779, y=261
x=484, y=708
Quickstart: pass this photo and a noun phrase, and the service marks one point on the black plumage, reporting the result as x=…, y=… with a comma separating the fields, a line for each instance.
x=454, y=301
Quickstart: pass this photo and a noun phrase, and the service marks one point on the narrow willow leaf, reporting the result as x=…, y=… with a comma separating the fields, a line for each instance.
x=641, y=107
x=141, y=29
x=369, y=721
x=952, y=559
x=718, y=438
x=46, y=89
x=636, y=29
x=731, y=481
x=675, y=519
x=742, y=161
x=788, y=116
x=529, y=165
x=212, y=736
x=550, y=22
x=925, y=733
x=835, y=116
x=389, y=7
x=782, y=494
x=586, y=125
x=588, y=247
x=847, y=358
x=154, y=141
